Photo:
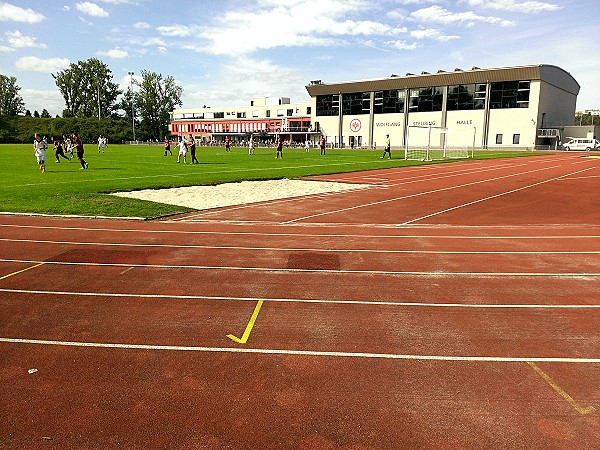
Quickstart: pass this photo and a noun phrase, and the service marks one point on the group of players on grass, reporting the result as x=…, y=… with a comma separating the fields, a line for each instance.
x=189, y=145
x=64, y=148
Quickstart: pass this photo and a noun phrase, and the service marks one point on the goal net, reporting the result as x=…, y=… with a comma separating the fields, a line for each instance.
x=435, y=143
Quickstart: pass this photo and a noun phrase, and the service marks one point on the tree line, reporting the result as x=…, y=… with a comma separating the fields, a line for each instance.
x=94, y=105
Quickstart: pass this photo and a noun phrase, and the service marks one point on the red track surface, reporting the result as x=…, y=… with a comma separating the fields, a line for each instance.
x=454, y=306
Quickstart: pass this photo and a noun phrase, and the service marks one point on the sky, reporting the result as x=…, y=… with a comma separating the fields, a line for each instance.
x=223, y=53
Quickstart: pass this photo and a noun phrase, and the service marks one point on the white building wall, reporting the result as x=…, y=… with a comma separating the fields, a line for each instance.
x=392, y=124
x=463, y=125
x=510, y=122
x=357, y=126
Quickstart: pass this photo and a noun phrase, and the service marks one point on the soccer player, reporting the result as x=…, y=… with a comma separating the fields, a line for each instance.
x=387, y=149
x=227, y=144
x=59, y=150
x=322, y=145
x=79, y=148
x=192, y=147
x=39, y=146
x=251, y=145
x=101, y=144
x=182, y=150
x=168, y=146
x=279, y=147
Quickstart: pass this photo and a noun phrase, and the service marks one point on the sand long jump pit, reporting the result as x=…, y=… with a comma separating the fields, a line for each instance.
x=231, y=194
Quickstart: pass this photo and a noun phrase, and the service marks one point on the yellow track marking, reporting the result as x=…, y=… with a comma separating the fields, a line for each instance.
x=560, y=391
x=249, y=327
x=20, y=271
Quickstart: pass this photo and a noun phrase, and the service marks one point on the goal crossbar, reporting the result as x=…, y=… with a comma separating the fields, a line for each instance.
x=428, y=143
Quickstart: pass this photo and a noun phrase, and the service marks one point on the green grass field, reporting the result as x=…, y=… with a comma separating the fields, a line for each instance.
x=65, y=189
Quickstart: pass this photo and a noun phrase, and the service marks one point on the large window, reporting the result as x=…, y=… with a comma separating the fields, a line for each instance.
x=356, y=103
x=387, y=102
x=426, y=99
x=466, y=97
x=328, y=105
x=509, y=94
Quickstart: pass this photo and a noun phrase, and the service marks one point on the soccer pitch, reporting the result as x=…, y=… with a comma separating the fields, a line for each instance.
x=66, y=189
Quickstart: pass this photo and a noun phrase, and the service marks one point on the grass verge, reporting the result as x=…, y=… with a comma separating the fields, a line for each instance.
x=67, y=189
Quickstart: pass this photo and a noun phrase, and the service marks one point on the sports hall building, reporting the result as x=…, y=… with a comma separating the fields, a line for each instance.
x=515, y=107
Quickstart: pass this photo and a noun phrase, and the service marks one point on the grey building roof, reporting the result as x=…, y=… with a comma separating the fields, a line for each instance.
x=550, y=74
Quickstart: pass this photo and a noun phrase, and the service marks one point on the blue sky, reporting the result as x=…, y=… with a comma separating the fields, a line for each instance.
x=225, y=52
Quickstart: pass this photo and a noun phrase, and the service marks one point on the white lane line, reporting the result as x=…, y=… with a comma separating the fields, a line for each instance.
x=300, y=300
x=418, y=194
x=501, y=194
x=392, y=227
x=321, y=271
x=301, y=249
x=272, y=351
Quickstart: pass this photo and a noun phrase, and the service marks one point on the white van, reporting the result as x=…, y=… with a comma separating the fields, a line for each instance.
x=581, y=144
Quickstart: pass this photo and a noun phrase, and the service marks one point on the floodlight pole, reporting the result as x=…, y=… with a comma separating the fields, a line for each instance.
x=132, y=109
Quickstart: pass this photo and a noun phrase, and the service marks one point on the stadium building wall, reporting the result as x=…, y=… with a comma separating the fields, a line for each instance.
x=504, y=108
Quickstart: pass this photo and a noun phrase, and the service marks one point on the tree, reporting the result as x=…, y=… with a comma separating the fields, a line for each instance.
x=156, y=98
x=45, y=114
x=87, y=89
x=11, y=103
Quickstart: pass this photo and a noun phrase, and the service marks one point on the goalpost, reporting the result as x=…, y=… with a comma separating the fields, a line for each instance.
x=428, y=143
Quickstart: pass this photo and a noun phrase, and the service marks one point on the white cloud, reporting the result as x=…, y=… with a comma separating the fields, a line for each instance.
x=292, y=23
x=14, y=13
x=142, y=26
x=403, y=45
x=5, y=49
x=35, y=64
x=432, y=34
x=115, y=53
x=245, y=78
x=18, y=40
x=38, y=100
x=437, y=14
x=175, y=31
x=515, y=6
x=91, y=9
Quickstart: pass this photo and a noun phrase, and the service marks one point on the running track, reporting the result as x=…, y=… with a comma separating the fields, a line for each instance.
x=452, y=306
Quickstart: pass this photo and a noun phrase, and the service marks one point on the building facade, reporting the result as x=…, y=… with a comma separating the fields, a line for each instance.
x=516, y=107
x=265, y=119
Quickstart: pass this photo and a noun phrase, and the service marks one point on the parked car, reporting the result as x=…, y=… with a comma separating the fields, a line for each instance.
x=581, y=144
